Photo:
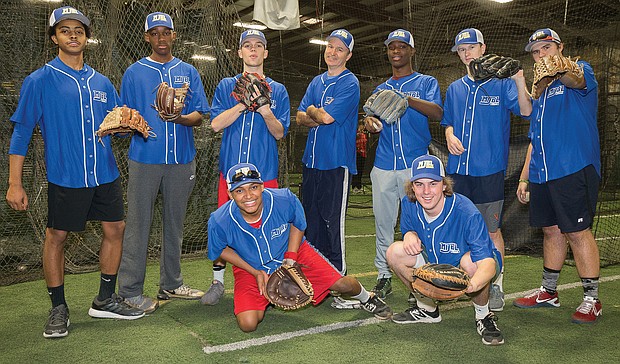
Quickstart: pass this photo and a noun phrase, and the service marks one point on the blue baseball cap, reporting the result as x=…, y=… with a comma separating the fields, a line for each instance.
x=344, y=36
x=158, y=19
x=252, y=33
x=467, y=36
x=401, y=35
x=68, y=12
x=427, y=166
x=542, y=35
x=241, y=174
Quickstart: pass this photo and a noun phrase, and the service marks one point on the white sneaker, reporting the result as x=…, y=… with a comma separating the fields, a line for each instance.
x=343, y=304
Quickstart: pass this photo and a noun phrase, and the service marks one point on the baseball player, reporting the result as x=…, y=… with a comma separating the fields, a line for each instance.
x=163, y=164
x=477, y=121
x=399, y=144
x=68, y=100
x=440, y=226
x=248, y=137
x=256, y=232
x=562, y=173
x=329, y=108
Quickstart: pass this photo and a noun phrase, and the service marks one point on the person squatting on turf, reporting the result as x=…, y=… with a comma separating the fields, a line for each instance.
x=440, y=226
x=477, y=121
x=162, y=164
x=247, y=136
x=399, y=144
x=259, y=229
x=68, y=100
x=562, y=173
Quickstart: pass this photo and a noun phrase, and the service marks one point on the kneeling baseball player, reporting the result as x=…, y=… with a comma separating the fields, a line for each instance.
x=440, y=226
x=261, y=229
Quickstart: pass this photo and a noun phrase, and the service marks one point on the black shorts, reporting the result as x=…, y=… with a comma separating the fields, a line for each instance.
x=68, y=209
x=480, y=190
x=569, y=202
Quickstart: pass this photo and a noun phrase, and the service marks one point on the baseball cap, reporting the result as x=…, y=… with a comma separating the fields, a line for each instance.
x=401, y=35
x=467, y=36
x=158, y=19
x=241, y=174
x=427, y=166
x=252, y=33
x=344, y=36
x=68, y=12
x=543, y=35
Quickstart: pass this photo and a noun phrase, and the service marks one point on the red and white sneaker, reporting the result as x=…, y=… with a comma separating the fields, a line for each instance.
x=538, y=298
x=588, y=311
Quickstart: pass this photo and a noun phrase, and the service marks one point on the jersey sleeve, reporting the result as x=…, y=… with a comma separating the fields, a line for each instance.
x=433, y=94
x=588, y=72
x=28, y=113
x=217, y=238
x=478, y=238
x=298, y=218
x=407, y=216
x=447, y=119
x=282, y=111
x=197, y=97
x=220, y=100
x=346, y=99
x=128, y=90
x=307, y=100
x=511, y=95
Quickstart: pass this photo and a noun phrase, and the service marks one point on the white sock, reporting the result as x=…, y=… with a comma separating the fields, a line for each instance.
x=363, y=296
x=481, y=311
x=425, y=303
x=218, y=275
x=500, y=280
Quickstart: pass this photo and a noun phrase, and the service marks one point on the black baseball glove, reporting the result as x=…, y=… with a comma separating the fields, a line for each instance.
x=492, y=65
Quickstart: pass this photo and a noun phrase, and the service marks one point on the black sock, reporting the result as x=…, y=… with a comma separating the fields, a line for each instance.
x=550, y=280
x=107, y=285
x=57, y=295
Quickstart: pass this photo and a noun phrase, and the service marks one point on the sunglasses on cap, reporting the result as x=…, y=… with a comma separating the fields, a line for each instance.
x=241, y=175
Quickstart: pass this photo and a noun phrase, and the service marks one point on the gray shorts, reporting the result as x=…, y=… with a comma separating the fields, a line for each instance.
x=492, y=214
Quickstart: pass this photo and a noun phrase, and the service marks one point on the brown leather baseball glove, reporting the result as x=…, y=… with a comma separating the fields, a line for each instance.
x=124, y=120
x=170, y=101
x=247, y=86
x=288, y=288
x=440, y=281
x=551, y=68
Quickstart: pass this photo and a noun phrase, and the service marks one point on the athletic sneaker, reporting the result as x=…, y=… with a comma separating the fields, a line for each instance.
x=184, y=291
x=343, y=304
x=487, y=328
x=496, y=298
x=214, y=293
x=383, y=287
x=538, y=298
x=588, y=311
x=58, y=322
x=377, y=307
x=414, y=315
x=144, y=303
x=114, y=307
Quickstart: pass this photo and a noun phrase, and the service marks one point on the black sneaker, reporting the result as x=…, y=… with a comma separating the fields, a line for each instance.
x=414, y=315
x=377, y=307
x=383, y=287
x=57, y=323
x=114, y=307
x=487, y=328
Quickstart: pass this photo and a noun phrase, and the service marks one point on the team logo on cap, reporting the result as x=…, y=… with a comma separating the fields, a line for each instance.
x=252, y=32
x=159, y=17
x=66, y=11
x=539, y=35
x=398, y=33
x=342, y=33
x=462, y=36
x=427, y=164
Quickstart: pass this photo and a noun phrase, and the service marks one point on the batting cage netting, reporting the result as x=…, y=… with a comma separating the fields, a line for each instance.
x=207, y=37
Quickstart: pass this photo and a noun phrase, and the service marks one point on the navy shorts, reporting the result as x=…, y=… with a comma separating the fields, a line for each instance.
x=569, y=202
x=487, y=193
x=68, y=209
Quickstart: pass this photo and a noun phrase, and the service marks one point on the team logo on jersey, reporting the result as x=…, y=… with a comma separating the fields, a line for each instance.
x=414, y=94
x=273, y=104
x=328, y=100
x=451, y=248
x=100, y=96
x=489, y=100
x=181, y=79
x=557, y=90
x=277, y=232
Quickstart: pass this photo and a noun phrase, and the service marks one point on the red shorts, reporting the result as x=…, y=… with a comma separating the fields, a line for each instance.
x=317, y=269
x=222, y=189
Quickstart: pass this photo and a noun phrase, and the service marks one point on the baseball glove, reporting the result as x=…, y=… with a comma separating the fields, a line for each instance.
x=288, y=288
x=124, y=120
x=492, y=65
x=440, y=281
x=551, y=68
x=245, y=88
x=388, y=105
x=170, y=101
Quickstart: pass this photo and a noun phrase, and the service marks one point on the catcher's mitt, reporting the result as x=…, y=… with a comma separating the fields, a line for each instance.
x=551, y=68
x=170, y=101
x=440, y=281
x=288, y=288
x=245, y=88
x=388, y=105
x=492, y=65
x=124, y=120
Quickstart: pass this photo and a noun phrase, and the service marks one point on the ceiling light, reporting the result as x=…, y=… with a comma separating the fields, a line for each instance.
x=249, y=25
x=502, y=1
x=93, y=41
x=318, y=41
x=202, y=57
x=311, y=21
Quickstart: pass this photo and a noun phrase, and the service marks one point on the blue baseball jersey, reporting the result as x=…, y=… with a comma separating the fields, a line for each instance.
x=333, y=146
x=409, y=137
x=69, y=106
x=458, y=229
x=172, y=143
x=479, y=112
x=247, y=139
x=264, y=247
x=563, y=130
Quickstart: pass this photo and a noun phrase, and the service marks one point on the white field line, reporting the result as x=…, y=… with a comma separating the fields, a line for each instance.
x=239, y=345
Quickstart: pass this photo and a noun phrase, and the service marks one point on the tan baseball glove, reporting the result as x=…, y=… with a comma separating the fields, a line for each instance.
x=440, y=281
x=124, y=120
x=288, y=288
x=551, y=68
x=170, y=101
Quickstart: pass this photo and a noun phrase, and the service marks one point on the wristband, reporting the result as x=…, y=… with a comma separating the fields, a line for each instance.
x=524, y=180
x=290, y=255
